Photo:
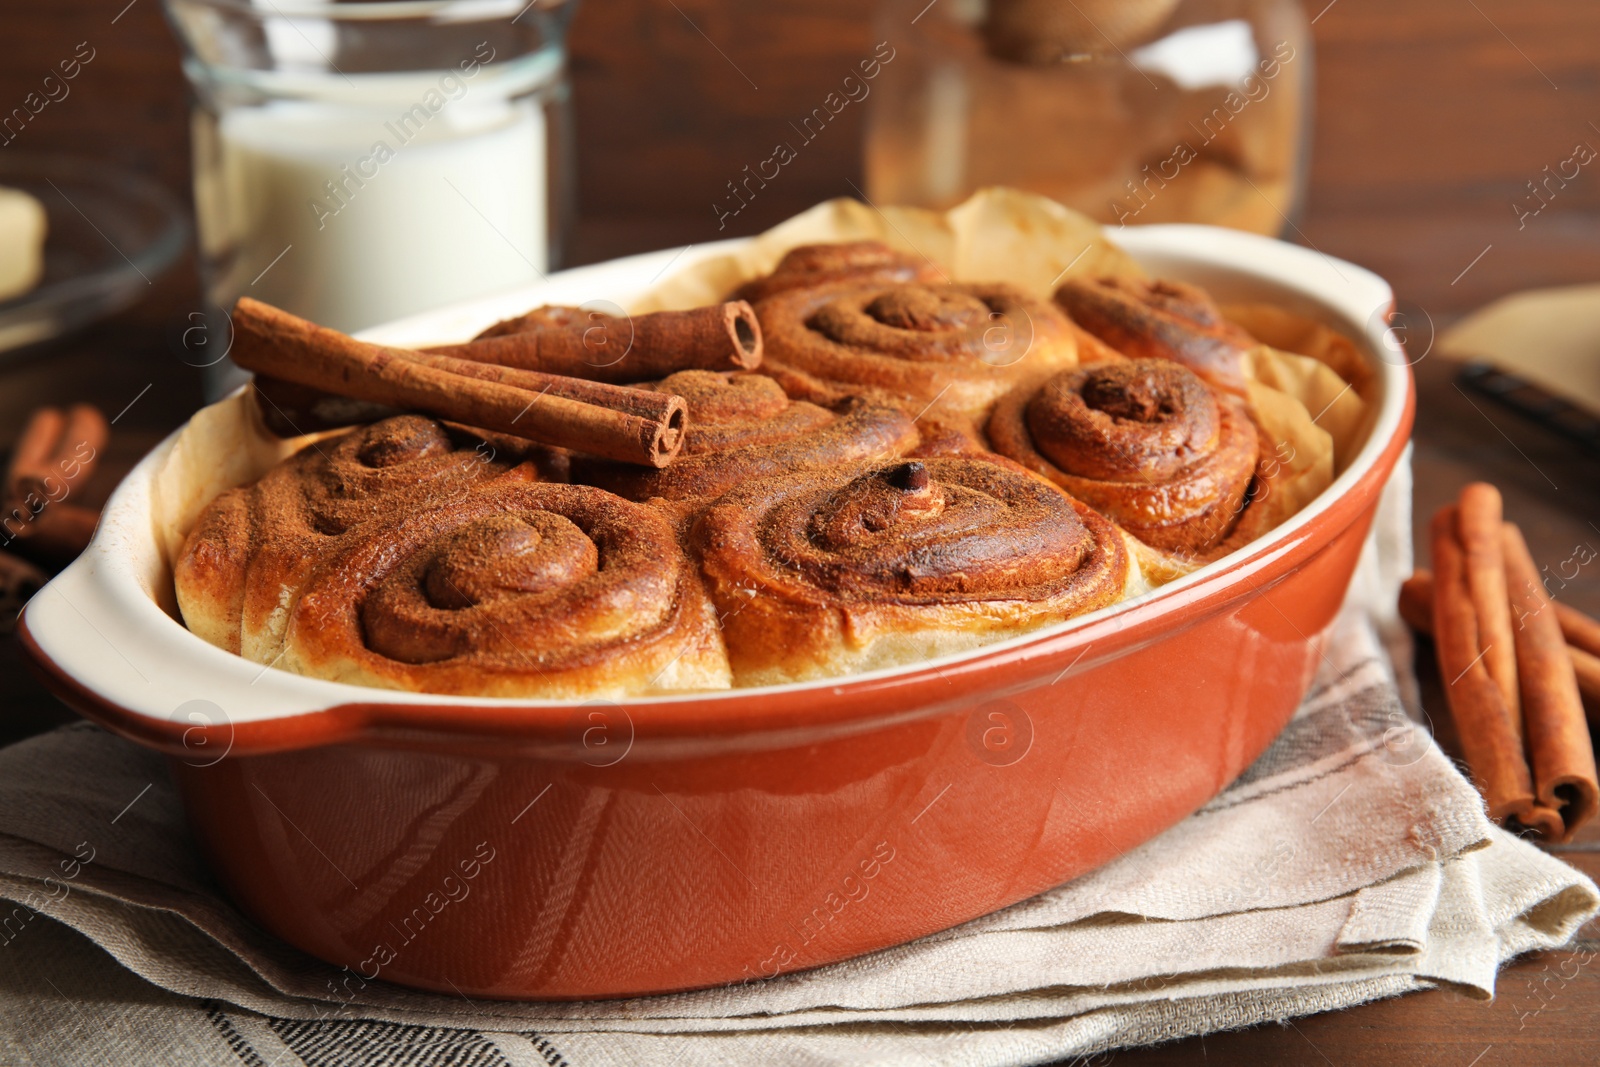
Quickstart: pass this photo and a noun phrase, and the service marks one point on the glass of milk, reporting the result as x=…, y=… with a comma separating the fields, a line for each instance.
x=359, y=162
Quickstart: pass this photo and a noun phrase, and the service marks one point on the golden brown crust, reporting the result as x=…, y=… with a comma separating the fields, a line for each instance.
x=253, y=546
x=829, y=571
x=1145, y=442
x=209, y=575
x=743, y=426
x=1161, y=319
x=810, y=266
x=957, y=347
x=531, y=590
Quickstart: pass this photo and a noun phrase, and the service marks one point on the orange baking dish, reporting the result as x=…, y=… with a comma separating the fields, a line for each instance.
x=533, y=850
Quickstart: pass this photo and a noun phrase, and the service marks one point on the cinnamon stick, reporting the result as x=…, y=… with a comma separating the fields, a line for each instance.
x=644, y=403
x=607, y=348
x=31, y=455
x=1559, y=745
x=1480, y=518
x=1416, y=602
x=1483, y=722
x=53, y=451
x=1416, y=609
x=85, y=438
x=290, y=409
x=1416, y=606
x=629, y=425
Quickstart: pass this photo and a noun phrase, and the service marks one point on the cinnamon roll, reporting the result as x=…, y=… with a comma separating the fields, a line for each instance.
x=1161, y=320
x=810, y=266
x=513, y=590
x=829, y=571
x=252, y=547
x=955, y=346
x=1145, y=442
x=743, y=426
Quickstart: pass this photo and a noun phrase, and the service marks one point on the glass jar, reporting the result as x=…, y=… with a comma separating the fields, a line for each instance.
x=1131, y=111
x=358, y=162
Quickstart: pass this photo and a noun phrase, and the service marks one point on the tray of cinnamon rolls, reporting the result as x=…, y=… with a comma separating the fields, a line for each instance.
x=825, y=507
x=854, y=462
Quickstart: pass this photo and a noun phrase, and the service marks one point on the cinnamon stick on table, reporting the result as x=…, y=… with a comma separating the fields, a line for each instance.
x=1559, y=746
x=54, y=450
x=1491, y=744
x=1478, y=523
x=607, y=348
x=1416, y=608
x=31, y=455
x=630, y=425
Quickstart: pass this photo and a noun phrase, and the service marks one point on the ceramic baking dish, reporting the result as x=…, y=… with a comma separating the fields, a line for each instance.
x=524, y=849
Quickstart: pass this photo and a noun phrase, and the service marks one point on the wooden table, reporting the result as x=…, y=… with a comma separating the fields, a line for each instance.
x=1432, y=116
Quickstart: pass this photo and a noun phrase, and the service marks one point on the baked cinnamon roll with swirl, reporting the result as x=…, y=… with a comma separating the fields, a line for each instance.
x=1145, y=442
x=511, y=590
x=252, y=547
x=955, y=347
x=828, y=572
x=743, y=426
x=1161, y=320
x=810, y=266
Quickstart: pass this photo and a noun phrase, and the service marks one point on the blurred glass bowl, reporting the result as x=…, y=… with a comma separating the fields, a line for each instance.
x=111, y=234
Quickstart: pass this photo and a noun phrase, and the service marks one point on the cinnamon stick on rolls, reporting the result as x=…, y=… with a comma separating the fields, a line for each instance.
x=630, y=425
x=1161, y=319
x=833, y=571
x=956, y=347
x=743, y=426
x=1145, y=442
x=513, y=590
x=588, y=344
